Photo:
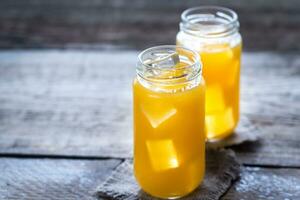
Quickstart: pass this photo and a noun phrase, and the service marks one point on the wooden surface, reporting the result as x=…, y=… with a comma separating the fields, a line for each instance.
x=65, y=123
x=266, y=184
x=265, y=25
x=59, y=179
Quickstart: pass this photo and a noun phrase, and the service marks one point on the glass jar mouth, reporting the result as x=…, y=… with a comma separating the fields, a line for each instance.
x=166, y=72
x=158, y=70
x=169, y=48
x=209, y=21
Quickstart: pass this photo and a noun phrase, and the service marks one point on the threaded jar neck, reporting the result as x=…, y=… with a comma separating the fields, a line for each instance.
x=209, y=21
x=165, y=66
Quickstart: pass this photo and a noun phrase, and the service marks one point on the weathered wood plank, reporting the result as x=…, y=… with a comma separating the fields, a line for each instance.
x=270, y=98
x=279, y=146
x=66, y=103
x=138, y=24
x=33, y=179
x=266, y=183
x=79, y=103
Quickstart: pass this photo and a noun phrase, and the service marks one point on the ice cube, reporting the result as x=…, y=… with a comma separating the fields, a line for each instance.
x=163, y=60
x=157, y=113
x=214, y=99
x=162, y=154
x=217, y=123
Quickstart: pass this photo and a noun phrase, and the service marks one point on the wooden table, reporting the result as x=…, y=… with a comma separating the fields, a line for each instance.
x=66, y=123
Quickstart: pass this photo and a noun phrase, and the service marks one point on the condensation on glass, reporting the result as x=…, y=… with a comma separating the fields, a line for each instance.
x=169, y=134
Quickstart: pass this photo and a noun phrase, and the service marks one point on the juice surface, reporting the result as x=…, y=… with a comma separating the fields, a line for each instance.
x=221, y=70
x=169, y=140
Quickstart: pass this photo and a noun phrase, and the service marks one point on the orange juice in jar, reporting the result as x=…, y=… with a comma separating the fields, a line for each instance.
x=169, y=135
x=213, y=33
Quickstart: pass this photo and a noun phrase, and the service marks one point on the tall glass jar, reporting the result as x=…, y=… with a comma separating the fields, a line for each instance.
x=214, y=33
x=169, y=135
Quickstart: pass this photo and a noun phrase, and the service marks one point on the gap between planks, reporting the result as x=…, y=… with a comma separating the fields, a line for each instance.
x=78, y=157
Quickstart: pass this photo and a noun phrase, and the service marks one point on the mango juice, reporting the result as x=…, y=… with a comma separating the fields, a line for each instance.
x=213, y=32
x=169, y=137
x=221, y=71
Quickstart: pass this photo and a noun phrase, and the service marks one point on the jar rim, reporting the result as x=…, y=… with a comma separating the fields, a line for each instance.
x=227, y=20
x=195, y=54
x=155, y=73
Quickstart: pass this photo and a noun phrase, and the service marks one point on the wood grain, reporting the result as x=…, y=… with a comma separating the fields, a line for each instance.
x=266, y=183
x=270, y=98
x=79, y=103
x=66, y=103
x=267, y=25
x=46, y=179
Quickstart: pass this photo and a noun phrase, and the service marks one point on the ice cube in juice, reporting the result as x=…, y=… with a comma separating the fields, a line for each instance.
x=169, y=140
x=221, y=71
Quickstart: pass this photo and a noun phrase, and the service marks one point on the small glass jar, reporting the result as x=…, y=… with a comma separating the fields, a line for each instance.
x=169, y=134
x=214, y=33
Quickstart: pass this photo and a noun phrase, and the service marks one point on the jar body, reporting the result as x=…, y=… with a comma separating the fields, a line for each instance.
x=169, y=140
x=221, y=59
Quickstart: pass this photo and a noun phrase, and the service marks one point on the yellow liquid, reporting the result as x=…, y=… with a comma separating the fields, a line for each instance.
x=221, y=71
x=169, y=140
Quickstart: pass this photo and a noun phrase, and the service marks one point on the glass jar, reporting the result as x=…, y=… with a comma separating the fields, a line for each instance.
x=214, y=33
x=169, y=134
